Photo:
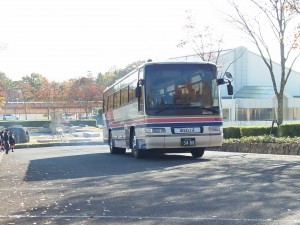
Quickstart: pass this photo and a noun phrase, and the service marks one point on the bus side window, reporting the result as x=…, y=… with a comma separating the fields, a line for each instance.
x=131, y=92
x=110, y=102
x=124, y=96
x=104, y=105
x=116, y=99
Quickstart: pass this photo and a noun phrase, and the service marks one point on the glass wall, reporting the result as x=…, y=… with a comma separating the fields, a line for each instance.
x=255, y=114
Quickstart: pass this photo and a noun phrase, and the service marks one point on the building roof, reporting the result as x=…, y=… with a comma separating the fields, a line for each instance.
x=255, y=92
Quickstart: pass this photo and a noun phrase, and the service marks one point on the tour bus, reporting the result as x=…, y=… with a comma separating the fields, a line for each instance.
x=165, y=107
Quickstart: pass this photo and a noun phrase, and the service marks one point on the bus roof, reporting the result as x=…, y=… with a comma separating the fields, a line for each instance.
x=157, y=63
x=177, y=62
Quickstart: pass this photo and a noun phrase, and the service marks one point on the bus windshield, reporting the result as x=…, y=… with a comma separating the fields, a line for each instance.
x=181, y=89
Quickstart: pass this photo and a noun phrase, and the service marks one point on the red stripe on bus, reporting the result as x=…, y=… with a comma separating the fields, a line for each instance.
x=187, y=119
x=166, y=120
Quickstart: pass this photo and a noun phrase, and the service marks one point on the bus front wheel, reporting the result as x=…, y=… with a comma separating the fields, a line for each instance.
x=197, y=153
x=136, y=152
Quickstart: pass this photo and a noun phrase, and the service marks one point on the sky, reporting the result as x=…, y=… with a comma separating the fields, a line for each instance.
x=64, y=39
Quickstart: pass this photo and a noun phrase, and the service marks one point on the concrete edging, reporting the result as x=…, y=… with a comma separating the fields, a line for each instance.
x=41, y=145
x=263, y=148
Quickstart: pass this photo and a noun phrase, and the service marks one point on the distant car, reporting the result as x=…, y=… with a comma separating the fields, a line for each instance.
x=9, y=117
x=21, y=134
x=69, y=116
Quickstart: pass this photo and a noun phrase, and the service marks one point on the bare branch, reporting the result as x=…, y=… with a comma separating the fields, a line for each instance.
x=278, y=15
x=235, y=60
x=290, y=69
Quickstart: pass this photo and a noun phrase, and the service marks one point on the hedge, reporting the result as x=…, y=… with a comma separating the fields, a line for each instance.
x=285, y=130
x=232, y=132
x=289, y=130
x=42, y=123
x=257, y=131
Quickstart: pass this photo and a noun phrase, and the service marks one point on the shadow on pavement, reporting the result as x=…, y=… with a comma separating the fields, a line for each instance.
x=99, y=165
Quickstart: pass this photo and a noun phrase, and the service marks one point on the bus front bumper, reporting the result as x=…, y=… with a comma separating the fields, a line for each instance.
x=177, y=142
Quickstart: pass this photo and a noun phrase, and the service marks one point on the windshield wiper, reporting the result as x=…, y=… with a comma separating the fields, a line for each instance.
x=164, y=107
x=210, y=108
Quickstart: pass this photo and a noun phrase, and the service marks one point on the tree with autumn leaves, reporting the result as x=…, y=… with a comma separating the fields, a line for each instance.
x=37, y=88
x=82, y=91
x=85, y=91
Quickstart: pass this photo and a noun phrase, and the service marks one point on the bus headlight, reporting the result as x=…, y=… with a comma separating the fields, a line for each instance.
x=215, y=128
x=155, y=130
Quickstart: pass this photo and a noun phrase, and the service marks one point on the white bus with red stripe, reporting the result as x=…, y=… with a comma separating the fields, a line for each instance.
x=164, y=107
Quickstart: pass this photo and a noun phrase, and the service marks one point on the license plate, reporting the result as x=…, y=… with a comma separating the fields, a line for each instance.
x=188, y=142
x=187, y=130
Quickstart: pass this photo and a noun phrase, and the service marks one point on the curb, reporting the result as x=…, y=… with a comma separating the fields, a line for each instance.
x=21, y=146
x=260, y=148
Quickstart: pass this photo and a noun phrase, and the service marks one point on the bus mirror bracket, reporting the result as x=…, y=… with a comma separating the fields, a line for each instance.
x=141, y=82
x=220, y=81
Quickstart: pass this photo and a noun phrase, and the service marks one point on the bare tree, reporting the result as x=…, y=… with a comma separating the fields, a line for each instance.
x=281, y=22
x=204, y=41
x=294, y=5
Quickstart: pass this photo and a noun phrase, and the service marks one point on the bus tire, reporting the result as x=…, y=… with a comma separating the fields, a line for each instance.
x=136, y=152
x=112, y=149
x=197, y=153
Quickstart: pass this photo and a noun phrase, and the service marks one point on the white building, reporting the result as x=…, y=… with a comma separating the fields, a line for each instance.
x=254, y=101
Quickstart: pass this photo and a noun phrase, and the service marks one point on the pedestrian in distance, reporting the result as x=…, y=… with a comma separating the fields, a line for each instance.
x=1, y=142
x=6, y=141
x=11, y=139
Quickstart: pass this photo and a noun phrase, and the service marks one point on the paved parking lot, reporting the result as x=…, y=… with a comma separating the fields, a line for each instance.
x=88, y=185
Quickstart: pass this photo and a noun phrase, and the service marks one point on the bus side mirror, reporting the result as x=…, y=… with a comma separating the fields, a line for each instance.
x=229, y=88
x=138, y=92
x=138, y=89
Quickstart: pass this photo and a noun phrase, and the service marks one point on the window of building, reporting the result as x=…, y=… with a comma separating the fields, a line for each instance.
x=261, y=114
x=225, y=113
x=242, y=114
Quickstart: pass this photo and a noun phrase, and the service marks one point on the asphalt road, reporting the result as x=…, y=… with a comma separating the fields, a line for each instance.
x=88, y=185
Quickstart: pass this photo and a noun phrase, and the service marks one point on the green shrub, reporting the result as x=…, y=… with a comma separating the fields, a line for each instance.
x=24, y=123
x=264, y=139
x=257, y=131
x=231, y=132
x=289, y=130
x=41, y=123
x=88, y=122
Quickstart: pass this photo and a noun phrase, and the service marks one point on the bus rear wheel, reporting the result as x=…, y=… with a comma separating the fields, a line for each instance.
x=115, y=150
x=197, y=153
x=112, y=149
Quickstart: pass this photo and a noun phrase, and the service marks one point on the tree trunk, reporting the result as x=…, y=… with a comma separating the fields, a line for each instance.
x=48, y=108
x=280, y=109
x=25, y=109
